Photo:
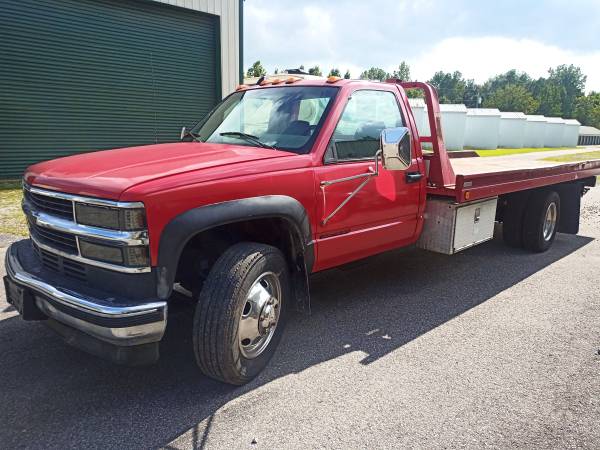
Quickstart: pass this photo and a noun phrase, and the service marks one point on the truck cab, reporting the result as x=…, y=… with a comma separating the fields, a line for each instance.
x=282, y=179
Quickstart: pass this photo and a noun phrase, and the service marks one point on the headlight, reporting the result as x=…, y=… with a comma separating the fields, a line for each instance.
x=127, y=219
x=128, y=256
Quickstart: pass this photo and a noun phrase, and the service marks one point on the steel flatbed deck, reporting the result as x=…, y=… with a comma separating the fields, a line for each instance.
x=478, y=178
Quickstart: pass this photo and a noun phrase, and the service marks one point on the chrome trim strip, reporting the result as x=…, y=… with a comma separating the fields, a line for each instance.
x=82, y=199
x=90, y=305
x=66, y=226
x=90, y=262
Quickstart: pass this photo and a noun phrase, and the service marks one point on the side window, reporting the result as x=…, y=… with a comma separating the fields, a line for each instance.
x=358, y=131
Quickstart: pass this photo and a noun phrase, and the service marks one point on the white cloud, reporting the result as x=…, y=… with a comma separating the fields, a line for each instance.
x=355, y=35
x=483, y=57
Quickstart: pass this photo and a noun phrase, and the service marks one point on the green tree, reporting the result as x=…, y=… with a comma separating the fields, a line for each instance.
x=315, y=71
x=512, y=78
x=403, y=72
x=548, y=94
x=450, y=86
x=512, y=98
x=587, y=109
x=571, y=84
x=347, y=75
x=276, y=71
x=256, y=70
x=334, y=73
x=375, y=73
x=472, y=94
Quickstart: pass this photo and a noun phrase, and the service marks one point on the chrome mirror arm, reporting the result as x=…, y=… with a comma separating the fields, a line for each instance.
x=367, y=177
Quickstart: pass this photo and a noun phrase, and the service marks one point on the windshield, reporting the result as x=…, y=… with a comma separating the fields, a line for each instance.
x=286, y=118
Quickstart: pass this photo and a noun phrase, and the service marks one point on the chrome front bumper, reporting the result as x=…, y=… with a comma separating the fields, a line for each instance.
x=115, y=321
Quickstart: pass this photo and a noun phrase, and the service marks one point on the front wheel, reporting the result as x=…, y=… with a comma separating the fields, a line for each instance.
x=241, y=312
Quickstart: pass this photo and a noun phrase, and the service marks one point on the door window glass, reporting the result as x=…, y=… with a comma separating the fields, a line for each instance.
x=358, y=131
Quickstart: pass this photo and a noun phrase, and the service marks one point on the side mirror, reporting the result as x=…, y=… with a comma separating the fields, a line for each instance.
x=183, y=133
x=396, y=148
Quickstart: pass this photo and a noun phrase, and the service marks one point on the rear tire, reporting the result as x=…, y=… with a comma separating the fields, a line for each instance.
x=541, y=221
x=512, y=219
x=241, y=312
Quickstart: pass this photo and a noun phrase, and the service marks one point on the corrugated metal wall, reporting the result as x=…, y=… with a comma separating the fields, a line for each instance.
x=81, y=75
x=229, y=13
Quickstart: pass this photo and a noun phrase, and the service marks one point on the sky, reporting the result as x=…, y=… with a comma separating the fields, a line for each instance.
x=479, y=38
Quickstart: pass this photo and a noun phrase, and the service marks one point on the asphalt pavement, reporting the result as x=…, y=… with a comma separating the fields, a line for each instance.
x=493, y=347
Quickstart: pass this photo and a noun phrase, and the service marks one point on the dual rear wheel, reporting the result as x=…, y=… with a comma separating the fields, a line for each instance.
x=532, y=223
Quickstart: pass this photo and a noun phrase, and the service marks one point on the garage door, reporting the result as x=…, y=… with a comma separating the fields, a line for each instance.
x=82, y=75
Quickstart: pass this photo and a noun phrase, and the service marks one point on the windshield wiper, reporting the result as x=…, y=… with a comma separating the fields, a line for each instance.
x=248, y=137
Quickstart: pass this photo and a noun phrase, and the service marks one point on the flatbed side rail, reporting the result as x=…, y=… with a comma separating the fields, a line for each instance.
x=440, y=172
x=478, y=186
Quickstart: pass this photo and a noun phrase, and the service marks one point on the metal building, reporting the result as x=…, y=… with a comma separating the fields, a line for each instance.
x=512, y=129
x=454, y=120
x=555, y=128
x=571, y=133
x=589, y=136
x=535, y=131
x=81, y=75
x=482, y=128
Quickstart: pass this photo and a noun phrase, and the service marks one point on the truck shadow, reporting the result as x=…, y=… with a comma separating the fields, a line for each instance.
x=55, y=396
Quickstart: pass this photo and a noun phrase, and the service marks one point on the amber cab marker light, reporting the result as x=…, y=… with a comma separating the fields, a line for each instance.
x=241, y=87
x=333, y=79
x=292, y=80
x=277, y=81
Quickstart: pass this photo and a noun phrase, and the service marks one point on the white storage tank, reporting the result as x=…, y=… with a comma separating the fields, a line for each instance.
x=454, y=121
x=483, y=128
x=571, y=133
x=535, y=132
x=419, y=110
x=555, y=128
x=512, y=129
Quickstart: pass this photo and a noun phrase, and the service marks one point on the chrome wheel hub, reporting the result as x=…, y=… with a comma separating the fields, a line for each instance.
x=260, y=315
x=550, y=221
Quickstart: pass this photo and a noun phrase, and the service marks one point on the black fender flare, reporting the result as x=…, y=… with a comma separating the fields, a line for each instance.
x=188, y=224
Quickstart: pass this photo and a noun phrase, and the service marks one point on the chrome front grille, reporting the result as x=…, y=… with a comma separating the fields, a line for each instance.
x=55, y=232
x=62, y=241
x=51, y=205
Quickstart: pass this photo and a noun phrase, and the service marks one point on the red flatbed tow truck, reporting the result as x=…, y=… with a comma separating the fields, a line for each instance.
x=282, y=179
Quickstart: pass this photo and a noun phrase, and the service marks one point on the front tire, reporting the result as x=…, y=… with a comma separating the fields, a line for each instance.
x=541, y=221
x=241, y=312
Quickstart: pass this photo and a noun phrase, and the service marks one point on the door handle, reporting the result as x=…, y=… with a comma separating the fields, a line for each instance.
x=413, y=177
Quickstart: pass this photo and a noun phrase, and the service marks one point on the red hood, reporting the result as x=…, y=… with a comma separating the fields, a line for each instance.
x=109, y=173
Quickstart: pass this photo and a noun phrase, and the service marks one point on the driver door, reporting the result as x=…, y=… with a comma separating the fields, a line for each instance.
x=380, y=212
